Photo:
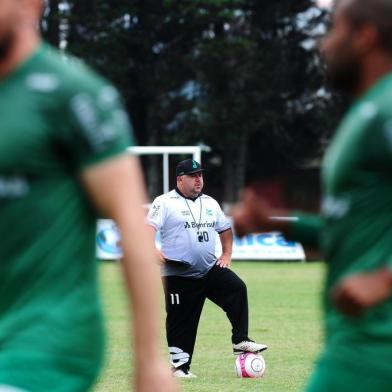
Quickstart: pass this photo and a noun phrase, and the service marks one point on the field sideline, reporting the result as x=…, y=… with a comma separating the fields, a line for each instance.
x=284, y=313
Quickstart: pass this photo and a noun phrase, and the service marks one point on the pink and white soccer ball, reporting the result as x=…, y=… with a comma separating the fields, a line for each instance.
x=249, y=365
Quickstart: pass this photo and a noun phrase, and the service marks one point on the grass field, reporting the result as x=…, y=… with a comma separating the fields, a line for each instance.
x=284, y=313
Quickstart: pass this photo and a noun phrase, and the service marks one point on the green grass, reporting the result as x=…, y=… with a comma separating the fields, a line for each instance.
x=284, y=313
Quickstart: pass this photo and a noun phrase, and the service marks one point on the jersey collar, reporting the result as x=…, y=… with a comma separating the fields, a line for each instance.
x=186, y=197
x=23, y=67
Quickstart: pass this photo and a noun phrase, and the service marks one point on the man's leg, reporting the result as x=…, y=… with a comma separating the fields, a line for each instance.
x=229, y=292
x=184, y=298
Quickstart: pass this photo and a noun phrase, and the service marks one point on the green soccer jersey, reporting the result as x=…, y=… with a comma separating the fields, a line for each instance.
x=356, y=224
x=57, y=118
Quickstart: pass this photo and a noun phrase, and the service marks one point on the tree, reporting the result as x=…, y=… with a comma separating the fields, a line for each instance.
x=239, y=75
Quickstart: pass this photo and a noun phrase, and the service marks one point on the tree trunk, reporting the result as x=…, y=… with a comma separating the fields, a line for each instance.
x=240, y=167
x=235, y=168
x=228, y=175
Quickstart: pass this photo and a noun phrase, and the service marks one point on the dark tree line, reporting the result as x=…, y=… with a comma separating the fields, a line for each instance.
x=242, y=76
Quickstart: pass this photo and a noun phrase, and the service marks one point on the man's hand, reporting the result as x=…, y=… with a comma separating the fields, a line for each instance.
x=357, y=293
x=154, y=376
x=250, y=214
x=224, y=261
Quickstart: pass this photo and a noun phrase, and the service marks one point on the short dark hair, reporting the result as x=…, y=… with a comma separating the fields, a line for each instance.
x=375, y=12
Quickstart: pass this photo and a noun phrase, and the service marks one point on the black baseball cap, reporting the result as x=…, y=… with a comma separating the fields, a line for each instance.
x=189, y=166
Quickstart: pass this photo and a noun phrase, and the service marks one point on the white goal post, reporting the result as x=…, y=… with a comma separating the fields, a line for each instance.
x=165, y=151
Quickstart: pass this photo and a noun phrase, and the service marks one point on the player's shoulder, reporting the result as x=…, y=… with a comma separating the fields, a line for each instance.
x=378, y=103
x=209, y=199
x=67, y=75
x=172, y=198
x=168, y=196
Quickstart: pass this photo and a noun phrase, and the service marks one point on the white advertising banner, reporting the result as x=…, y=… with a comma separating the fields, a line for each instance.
x=257, y=246
x=266, y=246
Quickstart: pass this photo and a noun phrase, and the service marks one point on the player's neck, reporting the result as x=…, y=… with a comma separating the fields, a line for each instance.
x=25, y=44
x=374, y=68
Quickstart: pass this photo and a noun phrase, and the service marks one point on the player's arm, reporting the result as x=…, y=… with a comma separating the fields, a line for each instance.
x=155, y=221
x=253, y=214
x=152, y=233
x=356, y=293
x=226, y=238
x=305, y=228
x=117, y=190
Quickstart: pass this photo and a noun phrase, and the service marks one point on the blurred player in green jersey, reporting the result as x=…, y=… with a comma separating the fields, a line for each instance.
x=63, y=134
x=355, y=226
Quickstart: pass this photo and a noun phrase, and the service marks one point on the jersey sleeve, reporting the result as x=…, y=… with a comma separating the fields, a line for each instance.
x=97, y=126
x=222, y=221
x=155, y=215
x=307, y=228
x=379, y=146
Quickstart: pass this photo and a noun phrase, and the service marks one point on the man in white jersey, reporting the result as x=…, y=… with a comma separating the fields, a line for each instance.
x=189, y=222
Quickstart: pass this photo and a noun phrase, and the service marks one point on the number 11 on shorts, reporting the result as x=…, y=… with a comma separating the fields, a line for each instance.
x=175, y=299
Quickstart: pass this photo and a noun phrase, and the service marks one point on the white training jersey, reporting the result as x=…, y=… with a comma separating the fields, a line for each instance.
x=188, y=232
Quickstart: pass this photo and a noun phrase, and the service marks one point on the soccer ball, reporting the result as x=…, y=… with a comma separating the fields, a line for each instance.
x=249, y=365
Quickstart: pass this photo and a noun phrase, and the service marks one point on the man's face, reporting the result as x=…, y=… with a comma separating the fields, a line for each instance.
x=8, y=22
x=191, y=184
x=339, y=53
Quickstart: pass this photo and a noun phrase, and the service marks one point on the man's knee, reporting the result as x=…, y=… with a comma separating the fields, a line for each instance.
x=238, y=286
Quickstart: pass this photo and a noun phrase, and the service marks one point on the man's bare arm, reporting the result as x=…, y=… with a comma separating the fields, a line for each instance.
x=117, y=190
x=152, y=233
x=226, y=238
